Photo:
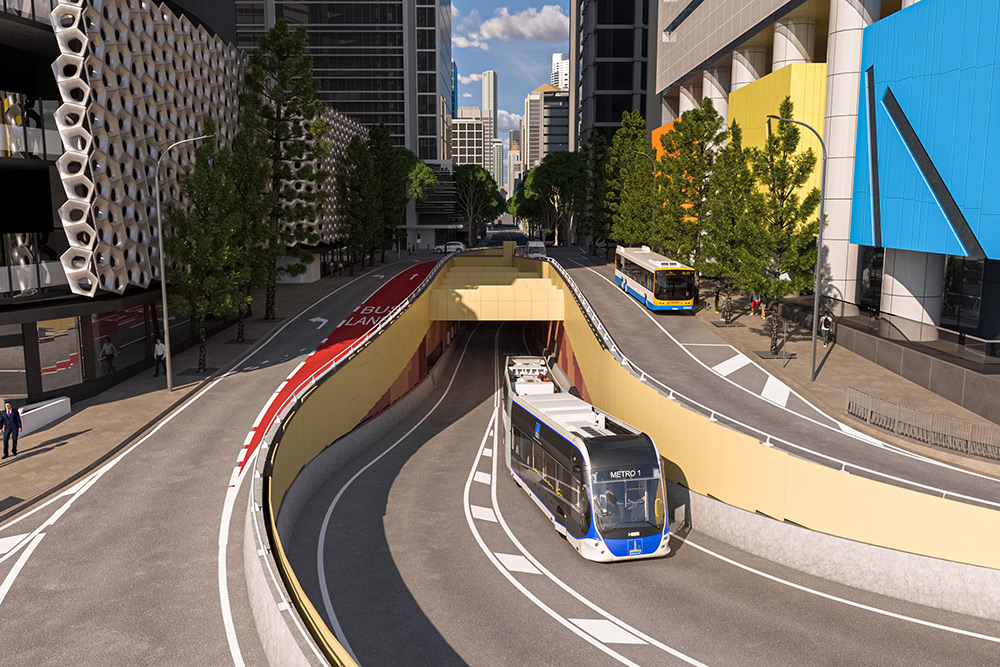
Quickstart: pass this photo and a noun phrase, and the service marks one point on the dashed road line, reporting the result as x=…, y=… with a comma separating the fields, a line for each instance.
x=776, y=391
x=731, y=365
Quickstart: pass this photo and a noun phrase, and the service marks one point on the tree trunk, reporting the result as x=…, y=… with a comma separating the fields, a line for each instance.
x=202, y=345
x=774, y=326
x=241, y=326
x=383, y=255
x=269, y=302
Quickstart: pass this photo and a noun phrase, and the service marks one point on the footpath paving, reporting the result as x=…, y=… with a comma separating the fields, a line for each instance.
x=839, y=368
x=65, y=450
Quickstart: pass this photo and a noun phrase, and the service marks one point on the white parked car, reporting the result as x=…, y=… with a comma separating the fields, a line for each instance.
x=450, y=246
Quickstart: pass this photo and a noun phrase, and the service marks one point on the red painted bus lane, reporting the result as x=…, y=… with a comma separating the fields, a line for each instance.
x=362, y=321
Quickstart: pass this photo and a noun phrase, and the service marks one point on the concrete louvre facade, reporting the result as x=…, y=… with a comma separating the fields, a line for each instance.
x=132, y=81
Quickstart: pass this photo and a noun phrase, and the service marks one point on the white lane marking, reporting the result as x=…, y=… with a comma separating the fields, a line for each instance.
x=487, y=452
x=482, y=513
x=8, y=543
x=483, y=477
x=534, y=561
x=834, y=598
x=18, y=565
x=506, y=573
x=605, y=631
x=321, y=543
x=863, y=437
x=517, y=563
x=731, y=365
x=319, y=321
x=707, y=345
x=776, y=391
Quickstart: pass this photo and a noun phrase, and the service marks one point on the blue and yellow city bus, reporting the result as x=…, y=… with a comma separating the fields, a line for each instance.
x=657, y=282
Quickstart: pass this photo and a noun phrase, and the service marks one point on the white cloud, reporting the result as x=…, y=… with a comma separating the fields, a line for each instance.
x=507, y=121
x=470, y=42
x=454, y=12
x=548, y=24
x=470, y=78
x=466, y=94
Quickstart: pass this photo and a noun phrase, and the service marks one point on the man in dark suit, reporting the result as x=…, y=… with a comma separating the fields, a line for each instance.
x=10, y=424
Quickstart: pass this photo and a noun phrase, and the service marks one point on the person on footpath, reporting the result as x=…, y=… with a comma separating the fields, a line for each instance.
x=160, y=357
x=109, y=352
x=825, y=324
x=10, y=424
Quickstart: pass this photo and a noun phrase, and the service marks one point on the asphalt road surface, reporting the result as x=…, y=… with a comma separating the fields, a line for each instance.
x=432, y=556
x=124, y=567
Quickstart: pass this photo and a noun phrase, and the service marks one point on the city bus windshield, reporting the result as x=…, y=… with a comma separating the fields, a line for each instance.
x=674, y=285
x=628, y=502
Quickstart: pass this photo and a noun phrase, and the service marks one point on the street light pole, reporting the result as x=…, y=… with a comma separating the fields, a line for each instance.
x=819, y=237
x=163, y=266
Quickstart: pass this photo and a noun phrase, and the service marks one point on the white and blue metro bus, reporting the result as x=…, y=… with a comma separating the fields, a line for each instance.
x=599, y=480
x=657, y=282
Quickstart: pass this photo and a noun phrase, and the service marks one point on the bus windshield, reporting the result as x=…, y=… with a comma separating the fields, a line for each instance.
x=628, y=503
x=674, y=285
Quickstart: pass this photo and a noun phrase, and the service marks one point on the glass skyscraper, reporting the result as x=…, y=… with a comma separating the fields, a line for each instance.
x=385, y=62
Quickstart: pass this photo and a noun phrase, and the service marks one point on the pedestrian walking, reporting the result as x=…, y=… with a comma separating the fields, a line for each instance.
x=159, y=357
x=825, y=325
x=10, y=424
x=754, y=303
x=109, y=352
x=716, y=298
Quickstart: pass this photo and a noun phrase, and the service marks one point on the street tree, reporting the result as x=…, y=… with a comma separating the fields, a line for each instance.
x=358, y=196
x=250, y=177
x=596, y=221
x=730, y=219
x=630, y=177
x=279, y=105
x=391, y=172
x=558, y=182
x=786, y=254
x=477, y=196
x=689, y=153
x=203, y=240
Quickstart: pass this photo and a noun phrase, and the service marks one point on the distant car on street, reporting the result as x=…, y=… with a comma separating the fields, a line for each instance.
x=450, y=246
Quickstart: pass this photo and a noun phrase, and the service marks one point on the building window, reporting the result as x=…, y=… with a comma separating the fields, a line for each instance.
x=963, y=294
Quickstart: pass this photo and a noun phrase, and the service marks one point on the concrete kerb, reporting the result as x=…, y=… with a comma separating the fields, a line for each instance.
x=941, y=584
x=283, y=644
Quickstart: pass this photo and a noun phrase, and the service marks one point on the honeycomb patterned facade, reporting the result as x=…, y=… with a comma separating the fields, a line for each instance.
x=339, y=131
x=133, y=78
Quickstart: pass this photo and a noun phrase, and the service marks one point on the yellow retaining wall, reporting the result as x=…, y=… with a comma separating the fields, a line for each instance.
x=805, y=83
x=711, y=459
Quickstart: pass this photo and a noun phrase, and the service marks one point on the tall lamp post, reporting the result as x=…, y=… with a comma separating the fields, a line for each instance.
x=819, y=237
x=163, y=267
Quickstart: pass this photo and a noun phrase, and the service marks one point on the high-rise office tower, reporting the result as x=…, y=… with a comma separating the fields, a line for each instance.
x=609, y=73
x=490, y=102
x=545, y=125
x=514, y=168
x=387, y=62
x=496, y=162
x=560, y=71
x=454, y=86
x=469, y=140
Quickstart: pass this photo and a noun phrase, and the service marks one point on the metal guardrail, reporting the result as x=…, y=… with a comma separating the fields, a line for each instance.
x=926, y=427
x=764, y=437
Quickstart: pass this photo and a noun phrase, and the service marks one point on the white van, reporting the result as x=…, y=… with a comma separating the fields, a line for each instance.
x=535, y=250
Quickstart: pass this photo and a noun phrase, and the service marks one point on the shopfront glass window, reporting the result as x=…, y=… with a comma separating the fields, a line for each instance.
x=59, y=353
x=119, y=338
x=963, y=293
x=13, y=380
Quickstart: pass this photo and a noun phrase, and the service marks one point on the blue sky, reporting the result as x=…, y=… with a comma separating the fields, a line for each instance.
x=514, y=37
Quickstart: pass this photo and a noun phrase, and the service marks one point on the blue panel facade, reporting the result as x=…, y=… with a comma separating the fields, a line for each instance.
x=928, y=143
